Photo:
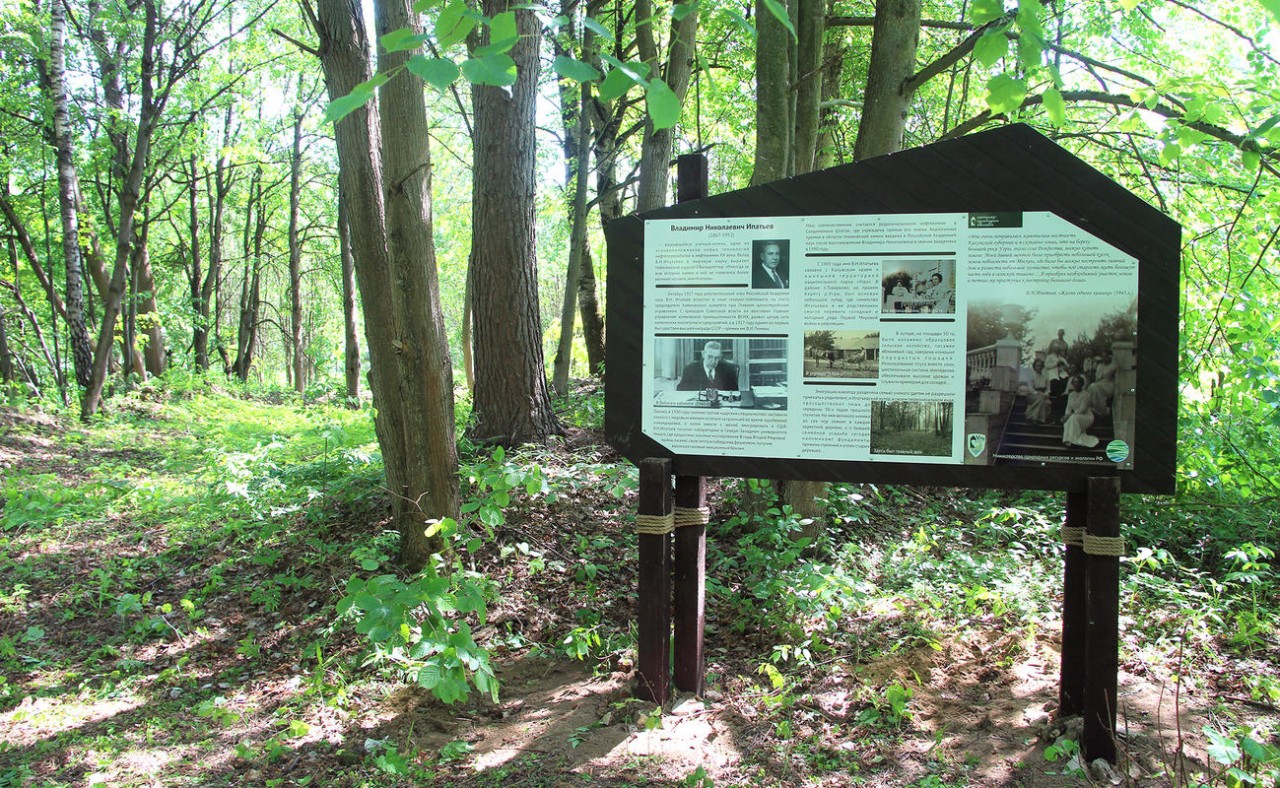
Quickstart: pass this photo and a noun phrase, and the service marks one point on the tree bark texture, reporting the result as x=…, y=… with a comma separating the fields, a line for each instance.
x=351, y=339
x=511, y=404
x=255, y=228
x=425, y=369
x=577, y=148
x=774, y=122
x=656, y=148
x=895, y=37
x=811, y=15
x=295, y=251
x=68, y=188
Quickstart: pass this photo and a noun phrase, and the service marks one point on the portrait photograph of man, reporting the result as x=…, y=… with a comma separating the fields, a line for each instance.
x=770, y=266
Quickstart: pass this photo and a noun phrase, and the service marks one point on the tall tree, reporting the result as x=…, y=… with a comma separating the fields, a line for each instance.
x=68, y=191
x=511, y=403
x=417, y=457
x=672, y=73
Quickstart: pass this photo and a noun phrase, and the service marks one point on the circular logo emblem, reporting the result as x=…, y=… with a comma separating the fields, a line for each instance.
x=1117, y=451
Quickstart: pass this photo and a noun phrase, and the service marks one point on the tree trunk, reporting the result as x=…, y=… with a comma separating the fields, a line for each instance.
x=808, y=90
x=774, y=123
x=68, y=188
x=407, y=447
x=255, y=228
x=656, y=148
x=351, y=340
x=895, y=37
x=577, y=149
x=426, y=371
x=511, y=404
x=195, y=272
x=295, y=249
x=153, y=354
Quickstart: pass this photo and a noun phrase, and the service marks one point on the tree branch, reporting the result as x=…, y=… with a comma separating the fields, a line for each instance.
x=954, y=56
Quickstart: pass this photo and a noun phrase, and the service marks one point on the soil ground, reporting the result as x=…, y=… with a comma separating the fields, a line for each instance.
x=196, y=707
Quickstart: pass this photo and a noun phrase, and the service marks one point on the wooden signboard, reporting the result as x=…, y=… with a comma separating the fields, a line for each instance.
x=983, y=312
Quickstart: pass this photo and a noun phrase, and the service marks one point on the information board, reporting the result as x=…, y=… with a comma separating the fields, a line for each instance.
x=935, y=338
x=988, y=311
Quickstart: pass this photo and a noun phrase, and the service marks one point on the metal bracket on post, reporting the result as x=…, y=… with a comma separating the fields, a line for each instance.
x=1102, y=548
x=654, y=522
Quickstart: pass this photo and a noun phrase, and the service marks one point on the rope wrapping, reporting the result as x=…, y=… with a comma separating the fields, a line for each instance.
x=655, y=524
x=1104, y=545
x=1073, y=536
x=690, y=515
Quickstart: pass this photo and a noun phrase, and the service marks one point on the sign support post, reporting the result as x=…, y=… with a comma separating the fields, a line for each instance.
x=654, y=521
x=1074, y=608
x=1102, y=548
x=690, y=581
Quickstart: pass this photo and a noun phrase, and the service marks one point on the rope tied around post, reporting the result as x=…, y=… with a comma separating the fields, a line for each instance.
x=655, y=524
x=1103, y=545
x=1073, y=536
x=692, y=515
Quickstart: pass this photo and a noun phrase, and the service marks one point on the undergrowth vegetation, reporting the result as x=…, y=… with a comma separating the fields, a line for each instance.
x=199, y=590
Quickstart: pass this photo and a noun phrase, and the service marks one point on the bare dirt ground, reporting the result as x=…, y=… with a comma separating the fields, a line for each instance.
x=90, y=708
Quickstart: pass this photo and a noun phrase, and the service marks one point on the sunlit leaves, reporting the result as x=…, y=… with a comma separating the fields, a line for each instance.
x=453, y=24
x=438, y=72
x=400, y=40
x=1005, y=93
x=984, y=11
x=503, y=35
x=495, y=70
x=595, y=27
x=1055, y=106
x=575, y=70
x=993, y=45
x=341, y=107
x=662, y=104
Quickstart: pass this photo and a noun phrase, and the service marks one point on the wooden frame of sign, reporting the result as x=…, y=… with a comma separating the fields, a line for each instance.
x=908, y=245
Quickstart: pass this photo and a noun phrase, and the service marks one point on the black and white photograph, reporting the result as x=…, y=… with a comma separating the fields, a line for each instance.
x=914, y=287
x=842, y=355
x=713, y=372
x=1051, y=380
x=911, y=428
x=771, y=264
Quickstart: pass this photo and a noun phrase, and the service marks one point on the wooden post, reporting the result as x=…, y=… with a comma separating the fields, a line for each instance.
x=690, y=582
x=653, y=620
x=1074, y=603
x=691, y=177
x=1102, y=548
x=691, y=501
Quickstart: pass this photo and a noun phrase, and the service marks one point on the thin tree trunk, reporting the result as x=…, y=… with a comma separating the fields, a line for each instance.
x=255, y=228
x=774, y=122
x=195, y=272
x=511, y=404
x=581, y=151
x=153, y=353
x=351, y=340
x=295, y=249
x=68, y=186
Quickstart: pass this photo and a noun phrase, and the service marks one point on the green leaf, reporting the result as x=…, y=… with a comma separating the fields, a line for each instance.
x=681, y=10
x=1250, y=159
x=1055, y=106
x=779, y=12
x=616, y=83
x=341, y=107
x=503, y=35
x=453, y=24
x=1005, y=93
x=495, y=70
x=437, y=72
x=662, y=104
x=1029, y=13
x=1273, y=6
x=1030, y=49
x=400, y=40
x=429, y=676
x=423, y=5
x=575, y=70
x=993, y=45
x=983, y=11
x=1129, y=5
x=595, y=27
